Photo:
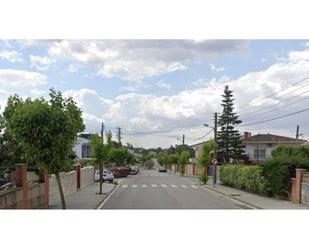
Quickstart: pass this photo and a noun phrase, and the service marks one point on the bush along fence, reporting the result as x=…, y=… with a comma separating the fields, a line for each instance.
x=44, y=192
x=282, y=180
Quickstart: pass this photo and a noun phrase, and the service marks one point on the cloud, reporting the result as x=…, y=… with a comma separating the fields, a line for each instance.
x=135, y=60
x=41, y=63
x=72, y=68
x=163, y=85
x=11, y=56
x=186, y=111
x=21, y=79
x=215, y=69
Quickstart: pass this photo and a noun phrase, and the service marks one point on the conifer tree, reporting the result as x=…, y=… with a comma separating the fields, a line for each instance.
x=228, y=138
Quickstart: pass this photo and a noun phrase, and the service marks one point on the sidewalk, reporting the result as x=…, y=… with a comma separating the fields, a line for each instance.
x=250, y=199
x=86, y=198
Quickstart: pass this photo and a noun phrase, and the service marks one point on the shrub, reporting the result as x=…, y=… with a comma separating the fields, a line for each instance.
x=203, y=178
x=278, y=172
x=249, y=178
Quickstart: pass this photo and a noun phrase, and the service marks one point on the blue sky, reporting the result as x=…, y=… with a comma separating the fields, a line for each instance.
x=151, y=85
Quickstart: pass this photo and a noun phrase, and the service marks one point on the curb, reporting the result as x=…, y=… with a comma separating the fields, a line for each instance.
x=233, y=198
x=102, y=203
x=251, y=206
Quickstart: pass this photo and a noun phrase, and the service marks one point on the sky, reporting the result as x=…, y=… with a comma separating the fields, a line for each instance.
x=158, y=90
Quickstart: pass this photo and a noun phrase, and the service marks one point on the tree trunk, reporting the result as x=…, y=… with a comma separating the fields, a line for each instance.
x=60, y=191
x=101, y=178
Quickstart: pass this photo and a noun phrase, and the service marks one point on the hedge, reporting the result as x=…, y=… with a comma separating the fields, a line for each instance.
x=278, y=172
x=249, y=178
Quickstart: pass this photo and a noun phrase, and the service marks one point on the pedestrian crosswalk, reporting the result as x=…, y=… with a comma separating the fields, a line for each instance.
x=161, y=185
x=156, y=175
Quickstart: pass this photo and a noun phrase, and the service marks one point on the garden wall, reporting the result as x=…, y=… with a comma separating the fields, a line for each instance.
x=305, y=189
x=87, y=176
x=68, y=181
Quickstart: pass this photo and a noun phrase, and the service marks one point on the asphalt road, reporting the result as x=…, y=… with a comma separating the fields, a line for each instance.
x=153, y=190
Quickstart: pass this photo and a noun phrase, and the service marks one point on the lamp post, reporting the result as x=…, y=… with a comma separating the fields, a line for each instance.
x=215, y=160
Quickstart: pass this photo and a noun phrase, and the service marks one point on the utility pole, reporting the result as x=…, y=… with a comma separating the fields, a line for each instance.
x=297, y=135
x=102, y=131
x=183, y=139
x=119, y=135
x=215, y=148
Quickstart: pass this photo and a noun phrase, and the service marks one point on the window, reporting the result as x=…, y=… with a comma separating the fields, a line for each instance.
x=259, y=154
x=86, y=151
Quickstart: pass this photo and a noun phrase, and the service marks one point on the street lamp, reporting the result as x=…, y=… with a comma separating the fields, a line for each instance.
x=215, y=160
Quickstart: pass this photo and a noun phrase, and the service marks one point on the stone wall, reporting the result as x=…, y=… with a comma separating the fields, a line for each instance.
x=86, y=176
x=68, y=181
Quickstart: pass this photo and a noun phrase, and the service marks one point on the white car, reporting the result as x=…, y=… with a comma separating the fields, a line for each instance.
x=107, y=176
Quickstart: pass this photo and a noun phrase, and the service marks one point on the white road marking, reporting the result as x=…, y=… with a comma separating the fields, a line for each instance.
x=154, y=185
x=174, y=186
x=125, y=186
x=163, y=185
x=144, y=186
x=134, y=186
x=194, y=186
x=184, y=186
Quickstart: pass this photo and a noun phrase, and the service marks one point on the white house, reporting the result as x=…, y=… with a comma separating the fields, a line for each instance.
x=82, y=148
x=259, y=147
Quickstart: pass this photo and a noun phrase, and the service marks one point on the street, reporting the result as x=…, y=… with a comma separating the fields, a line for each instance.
x=153, y=190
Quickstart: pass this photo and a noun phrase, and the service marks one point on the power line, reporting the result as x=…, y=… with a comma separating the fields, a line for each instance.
x=285, y=100
x=273, y=94
x=272, y=119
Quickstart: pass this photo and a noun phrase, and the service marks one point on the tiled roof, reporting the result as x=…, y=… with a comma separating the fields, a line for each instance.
x=270, y=138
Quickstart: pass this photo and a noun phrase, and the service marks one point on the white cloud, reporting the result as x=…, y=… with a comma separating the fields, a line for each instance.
x=11, y=56
x=41, y=63
x=215, y=69
x=72, y=68
x=135, y=60
x=163, y=85
x=191, y=108
x=21, y=79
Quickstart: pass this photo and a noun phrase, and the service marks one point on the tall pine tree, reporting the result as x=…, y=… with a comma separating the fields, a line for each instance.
x=228, y=138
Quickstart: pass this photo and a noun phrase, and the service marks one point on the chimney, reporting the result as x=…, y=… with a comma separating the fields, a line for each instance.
x=247, y=134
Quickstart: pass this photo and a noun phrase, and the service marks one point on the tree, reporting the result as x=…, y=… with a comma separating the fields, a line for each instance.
x=45, y=130
x=119, y=156
x=228, y=139
x=183, y=160
x=205, y=158
x=100, y=153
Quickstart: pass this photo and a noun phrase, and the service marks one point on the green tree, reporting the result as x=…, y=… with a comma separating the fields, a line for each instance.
x=119, y=156
x=46, y=131
x=228, y=140
x=183, y=160
x=205, y=158
x=100, y=153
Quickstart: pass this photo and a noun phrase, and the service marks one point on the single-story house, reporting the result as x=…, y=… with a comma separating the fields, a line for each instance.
x=259, y=147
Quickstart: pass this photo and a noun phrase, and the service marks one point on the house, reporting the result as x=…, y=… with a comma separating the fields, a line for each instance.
x=197, y=150
x=82, y=148
x=259, y=147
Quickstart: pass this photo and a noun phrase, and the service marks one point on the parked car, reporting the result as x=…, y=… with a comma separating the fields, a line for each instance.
x=134, y=170
x=108, y=176
x=162, y=169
